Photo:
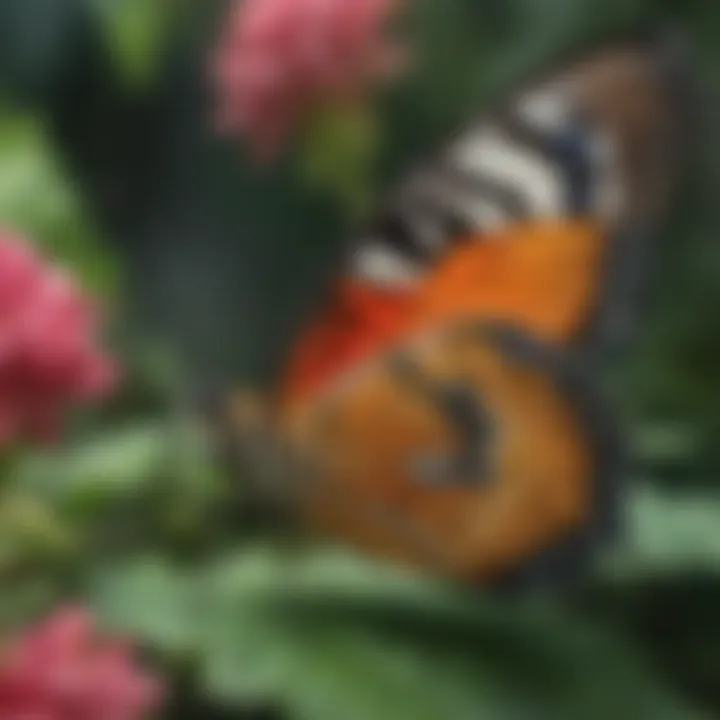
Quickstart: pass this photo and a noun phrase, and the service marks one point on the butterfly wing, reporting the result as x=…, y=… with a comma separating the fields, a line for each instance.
x=588, y=152
x=425, y=433
x=465, y=452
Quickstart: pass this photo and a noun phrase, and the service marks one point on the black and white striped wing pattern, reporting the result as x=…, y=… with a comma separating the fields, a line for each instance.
x=602, y=139
x=537, y=159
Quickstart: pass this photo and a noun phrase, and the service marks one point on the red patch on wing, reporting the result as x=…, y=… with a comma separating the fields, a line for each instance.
x=361, y=319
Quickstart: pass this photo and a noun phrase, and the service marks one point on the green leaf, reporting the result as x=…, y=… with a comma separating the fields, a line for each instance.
x=99, y=470
x=337, y=637
x=662, y=588
x=330, y=636
x=149, y=599
x=668, y=531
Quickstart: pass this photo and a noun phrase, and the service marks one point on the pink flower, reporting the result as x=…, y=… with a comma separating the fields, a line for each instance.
x=62, y=670
x=48, y=359
x=279, y=60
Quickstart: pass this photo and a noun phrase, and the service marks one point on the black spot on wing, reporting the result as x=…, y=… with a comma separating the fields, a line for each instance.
x=456, y=228
x=395, y=231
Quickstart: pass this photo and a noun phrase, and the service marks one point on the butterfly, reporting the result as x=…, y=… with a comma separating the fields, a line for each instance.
x=442, y=410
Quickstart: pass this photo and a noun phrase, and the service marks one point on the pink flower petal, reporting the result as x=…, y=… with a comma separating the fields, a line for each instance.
x=48, y=356
x=64, y=670
x=280, y=59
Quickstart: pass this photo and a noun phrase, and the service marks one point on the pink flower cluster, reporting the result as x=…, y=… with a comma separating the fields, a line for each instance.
x=62, y=670
x=280, y=59
x=48, y=358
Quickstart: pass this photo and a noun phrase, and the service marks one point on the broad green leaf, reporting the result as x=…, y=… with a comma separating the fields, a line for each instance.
x=100, y=469
x=166, y=466
x=340, y=638
x=149, y=599
x=333, y=637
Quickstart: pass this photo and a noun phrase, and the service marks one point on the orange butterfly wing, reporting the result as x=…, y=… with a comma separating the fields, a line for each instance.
x=348, y=413
x=365, y=440
x=357, y=427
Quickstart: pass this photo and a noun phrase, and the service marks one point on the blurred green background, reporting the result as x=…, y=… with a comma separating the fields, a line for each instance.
x=105, y=162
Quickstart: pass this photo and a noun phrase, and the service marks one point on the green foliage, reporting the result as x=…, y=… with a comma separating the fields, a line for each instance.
x=336, y=637
x=36, y=199
x=136, y=31
x=339, y=155
x=133, y=515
